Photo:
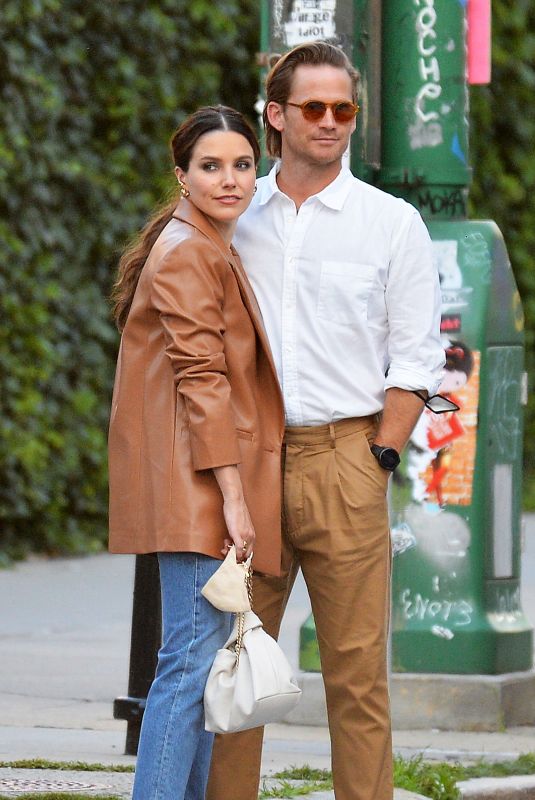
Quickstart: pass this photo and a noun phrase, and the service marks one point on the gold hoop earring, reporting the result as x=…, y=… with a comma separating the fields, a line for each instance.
x=184, y=191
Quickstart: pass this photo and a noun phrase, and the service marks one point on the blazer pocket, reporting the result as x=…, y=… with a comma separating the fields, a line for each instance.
x=241, y=434
x=344, y=290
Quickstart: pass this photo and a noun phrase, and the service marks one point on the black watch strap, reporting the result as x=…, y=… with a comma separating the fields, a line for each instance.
x=387, y=457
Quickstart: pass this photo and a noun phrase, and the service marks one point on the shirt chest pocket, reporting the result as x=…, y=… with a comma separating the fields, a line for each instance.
x=344, y=291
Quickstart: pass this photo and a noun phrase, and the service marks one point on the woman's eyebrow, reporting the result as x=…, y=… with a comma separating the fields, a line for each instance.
x=216, y=158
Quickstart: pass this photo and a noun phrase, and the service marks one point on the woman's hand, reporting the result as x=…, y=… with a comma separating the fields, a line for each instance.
x=240, y=528
x=236, y=513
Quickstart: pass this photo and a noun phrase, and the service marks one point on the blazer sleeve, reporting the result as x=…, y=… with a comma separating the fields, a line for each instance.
x=188, y=292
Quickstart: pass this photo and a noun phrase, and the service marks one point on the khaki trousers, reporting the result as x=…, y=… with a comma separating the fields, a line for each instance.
x=335, y=527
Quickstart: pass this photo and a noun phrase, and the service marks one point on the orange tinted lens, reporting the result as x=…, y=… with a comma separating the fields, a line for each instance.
x=314, y=110
x=344, y=112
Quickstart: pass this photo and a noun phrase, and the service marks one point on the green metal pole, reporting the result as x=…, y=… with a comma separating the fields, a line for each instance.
x=366, y=141
x=425, y=105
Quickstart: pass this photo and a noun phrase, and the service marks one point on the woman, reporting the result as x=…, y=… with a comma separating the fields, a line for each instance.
x=195, y=432
x=431, y=439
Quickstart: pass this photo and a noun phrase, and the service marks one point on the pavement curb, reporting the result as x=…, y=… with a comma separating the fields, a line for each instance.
x=518, y=787
x=449, y=702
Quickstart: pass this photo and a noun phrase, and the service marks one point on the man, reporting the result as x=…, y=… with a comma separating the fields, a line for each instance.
x=345, y=280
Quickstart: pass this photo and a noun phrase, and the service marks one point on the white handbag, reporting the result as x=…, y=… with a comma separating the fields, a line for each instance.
x=251, y=682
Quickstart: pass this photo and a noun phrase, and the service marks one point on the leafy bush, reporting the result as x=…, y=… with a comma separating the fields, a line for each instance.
x=89, y=95
x=502, y=137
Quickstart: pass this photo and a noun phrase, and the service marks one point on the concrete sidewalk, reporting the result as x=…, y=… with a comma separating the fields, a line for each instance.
x=64, y=639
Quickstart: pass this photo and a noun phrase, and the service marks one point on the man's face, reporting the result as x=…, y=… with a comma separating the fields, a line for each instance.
x=322, y=142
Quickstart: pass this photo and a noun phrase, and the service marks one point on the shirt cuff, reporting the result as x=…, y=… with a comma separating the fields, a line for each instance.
x=410, y=378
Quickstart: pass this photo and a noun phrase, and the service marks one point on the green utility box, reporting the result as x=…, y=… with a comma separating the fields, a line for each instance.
x=456, y=498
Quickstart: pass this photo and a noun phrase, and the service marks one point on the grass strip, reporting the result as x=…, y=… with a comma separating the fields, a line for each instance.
x=288, y=790
x=523, y=765
x=435, y=780
x=71, y=766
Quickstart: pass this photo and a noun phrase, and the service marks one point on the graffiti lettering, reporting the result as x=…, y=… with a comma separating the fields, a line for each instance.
x=310, y=19
x=429, y=69
x=508, y=600
x=425, y=135
x=455, y=612
x=475, y=252
x=452, y=204
x=504, y=413
x=508, y=607
x=444, y=633
x=429, y=91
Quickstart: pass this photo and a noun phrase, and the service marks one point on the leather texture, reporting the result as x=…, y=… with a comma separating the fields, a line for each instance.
x=257, y=689
x=195, y=388
x=227, y=588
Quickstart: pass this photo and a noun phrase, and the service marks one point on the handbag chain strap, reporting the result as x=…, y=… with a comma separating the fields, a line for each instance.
x=239, y=636
x=241, y=617
x=249, y=584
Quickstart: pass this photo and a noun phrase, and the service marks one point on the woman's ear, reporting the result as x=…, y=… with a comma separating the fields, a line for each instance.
x=180, y=174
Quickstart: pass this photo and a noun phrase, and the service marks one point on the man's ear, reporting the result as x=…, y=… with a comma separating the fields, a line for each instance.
x=275, y=115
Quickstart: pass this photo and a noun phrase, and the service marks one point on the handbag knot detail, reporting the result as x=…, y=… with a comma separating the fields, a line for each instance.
x=251, y=682
x=230, y=587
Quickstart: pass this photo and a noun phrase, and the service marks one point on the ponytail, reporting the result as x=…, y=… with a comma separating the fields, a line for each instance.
x=133, y=260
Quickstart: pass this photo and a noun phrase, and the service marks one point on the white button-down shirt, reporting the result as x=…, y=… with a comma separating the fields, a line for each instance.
x=349, y=294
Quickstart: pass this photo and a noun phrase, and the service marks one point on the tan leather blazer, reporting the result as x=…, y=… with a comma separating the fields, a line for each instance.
x=195, y=388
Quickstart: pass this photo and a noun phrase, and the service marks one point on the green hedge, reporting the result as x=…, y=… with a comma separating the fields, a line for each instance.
x=502, y=146
x=89, y=95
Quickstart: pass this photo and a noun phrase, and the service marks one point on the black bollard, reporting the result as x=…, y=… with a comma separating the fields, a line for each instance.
x=144, y=645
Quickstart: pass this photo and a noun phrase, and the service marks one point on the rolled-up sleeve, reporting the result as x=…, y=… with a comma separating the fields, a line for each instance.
x=415, y=351
x=188, y=294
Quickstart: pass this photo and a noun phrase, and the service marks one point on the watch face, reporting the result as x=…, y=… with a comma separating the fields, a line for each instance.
x=389, y=458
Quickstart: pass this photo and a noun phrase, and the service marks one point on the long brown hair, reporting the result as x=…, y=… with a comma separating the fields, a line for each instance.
x=279, y=80
x=183, y=141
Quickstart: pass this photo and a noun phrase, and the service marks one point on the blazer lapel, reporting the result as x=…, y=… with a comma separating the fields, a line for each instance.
x=187, y=212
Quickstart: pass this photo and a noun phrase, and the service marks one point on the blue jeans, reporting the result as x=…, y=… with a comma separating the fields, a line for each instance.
x=174, y=749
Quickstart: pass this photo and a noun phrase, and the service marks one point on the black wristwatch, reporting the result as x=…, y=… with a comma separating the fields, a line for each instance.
x=387, y=457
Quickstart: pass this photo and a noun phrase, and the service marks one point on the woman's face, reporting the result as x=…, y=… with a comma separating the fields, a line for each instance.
x=221, y=177
x=453, y=380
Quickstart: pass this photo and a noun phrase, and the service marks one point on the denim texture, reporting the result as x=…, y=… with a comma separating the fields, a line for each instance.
x=174, y=749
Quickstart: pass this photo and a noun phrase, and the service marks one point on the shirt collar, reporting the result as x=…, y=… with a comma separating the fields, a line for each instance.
x=333, y=196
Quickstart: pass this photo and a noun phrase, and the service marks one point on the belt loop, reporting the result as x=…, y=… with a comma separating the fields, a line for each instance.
x=332, y=435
